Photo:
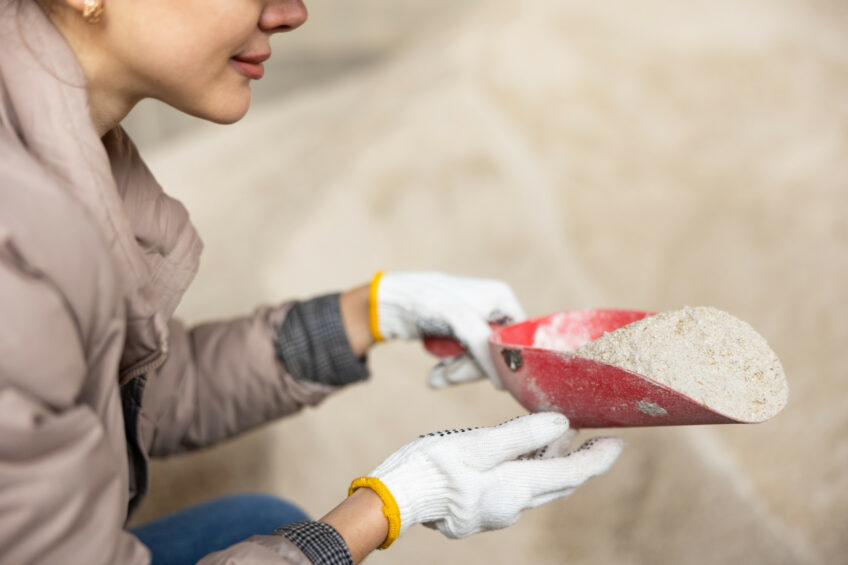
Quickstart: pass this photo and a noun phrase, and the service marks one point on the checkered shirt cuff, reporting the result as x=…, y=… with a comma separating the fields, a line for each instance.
x=320, y=542
x=312, y=344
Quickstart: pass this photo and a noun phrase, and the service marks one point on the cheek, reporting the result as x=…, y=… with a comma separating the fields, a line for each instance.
x=180, y=42
x=191, y=71
x=183, y=58
x=167, y=60
x=179, y=52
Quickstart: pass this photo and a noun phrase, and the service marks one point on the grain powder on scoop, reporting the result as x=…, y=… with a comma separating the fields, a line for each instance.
x=704, y=353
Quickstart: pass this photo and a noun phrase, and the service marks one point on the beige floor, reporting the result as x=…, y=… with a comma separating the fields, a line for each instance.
x=644, y=155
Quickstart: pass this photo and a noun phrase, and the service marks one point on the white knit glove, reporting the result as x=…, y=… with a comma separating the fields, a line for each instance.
x=413, y=305
x=466, y=481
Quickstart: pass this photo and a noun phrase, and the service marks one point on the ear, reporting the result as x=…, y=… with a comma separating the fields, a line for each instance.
x=76, y=5
x=91, y=10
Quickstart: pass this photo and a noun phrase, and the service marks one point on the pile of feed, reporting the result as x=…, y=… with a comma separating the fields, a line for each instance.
x=704, y=353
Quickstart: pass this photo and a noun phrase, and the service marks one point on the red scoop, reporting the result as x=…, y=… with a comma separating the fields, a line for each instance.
x=592, y=394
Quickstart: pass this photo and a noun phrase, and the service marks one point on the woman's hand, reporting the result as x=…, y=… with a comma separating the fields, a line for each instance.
x=414, y=305
x=466, y=481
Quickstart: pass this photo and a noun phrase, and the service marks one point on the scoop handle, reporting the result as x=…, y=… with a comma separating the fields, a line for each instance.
x=449, y=347
x=443, y=347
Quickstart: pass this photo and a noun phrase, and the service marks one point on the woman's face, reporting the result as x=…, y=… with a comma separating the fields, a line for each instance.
x=196, y=55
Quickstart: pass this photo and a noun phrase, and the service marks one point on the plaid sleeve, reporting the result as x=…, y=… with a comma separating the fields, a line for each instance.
x=320, y=542
x=313, y=346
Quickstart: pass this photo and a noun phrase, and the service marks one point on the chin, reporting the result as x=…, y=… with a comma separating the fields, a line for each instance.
x=227, y=118
x=225, y=109
x=231, y=113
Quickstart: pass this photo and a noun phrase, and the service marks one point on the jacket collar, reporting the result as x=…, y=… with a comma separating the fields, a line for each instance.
x=155, y=248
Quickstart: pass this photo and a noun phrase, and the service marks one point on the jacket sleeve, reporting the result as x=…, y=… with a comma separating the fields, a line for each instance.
x=62, y=499
x=302, y=543
x=223, y=378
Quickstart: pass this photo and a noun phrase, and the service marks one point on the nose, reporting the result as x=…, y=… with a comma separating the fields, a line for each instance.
x=282, y=15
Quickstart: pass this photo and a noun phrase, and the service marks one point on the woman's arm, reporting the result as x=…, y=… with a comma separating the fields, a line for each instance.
x=359, y=518
x=354, y=307
x=416, y=305
x=222, y=378
x=360, y=521
x=469, y=480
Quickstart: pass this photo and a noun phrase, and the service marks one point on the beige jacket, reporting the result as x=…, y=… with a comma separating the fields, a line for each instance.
x=94, y=258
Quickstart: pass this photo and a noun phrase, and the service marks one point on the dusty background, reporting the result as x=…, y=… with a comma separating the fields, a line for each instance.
x=641, y=155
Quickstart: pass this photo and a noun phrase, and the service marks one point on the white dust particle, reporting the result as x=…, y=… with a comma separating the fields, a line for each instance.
x=565, y=331
x=704, y=353
x=650, y=408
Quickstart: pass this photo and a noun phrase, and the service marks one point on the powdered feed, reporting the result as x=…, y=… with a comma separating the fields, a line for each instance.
x=702, y=352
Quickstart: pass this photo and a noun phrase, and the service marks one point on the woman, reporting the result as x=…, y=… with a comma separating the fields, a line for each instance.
x=95, y=376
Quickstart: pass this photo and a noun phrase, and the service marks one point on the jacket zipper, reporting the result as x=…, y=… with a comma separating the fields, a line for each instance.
x=147, y=367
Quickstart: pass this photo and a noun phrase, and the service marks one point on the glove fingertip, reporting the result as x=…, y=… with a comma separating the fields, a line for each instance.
x=458, y=370
x=559, y=446
x=603, y=451
x=530, y=432
x=554, y=419
x=436, y=378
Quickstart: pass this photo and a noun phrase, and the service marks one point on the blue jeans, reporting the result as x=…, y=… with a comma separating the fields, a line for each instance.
x=184, y=537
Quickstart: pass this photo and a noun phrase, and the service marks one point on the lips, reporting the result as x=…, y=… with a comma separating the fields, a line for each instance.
x=250, y=65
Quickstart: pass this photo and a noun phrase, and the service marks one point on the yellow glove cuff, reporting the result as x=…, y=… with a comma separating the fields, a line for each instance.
x=373, y=320
x=390, y=507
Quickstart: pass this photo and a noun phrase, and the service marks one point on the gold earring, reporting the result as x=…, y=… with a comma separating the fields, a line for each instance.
x=92, y=10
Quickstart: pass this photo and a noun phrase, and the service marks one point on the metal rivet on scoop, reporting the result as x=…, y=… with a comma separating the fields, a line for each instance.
x=512, y=358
